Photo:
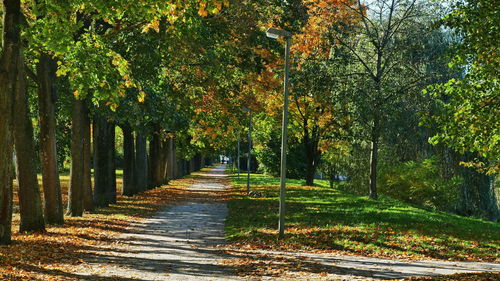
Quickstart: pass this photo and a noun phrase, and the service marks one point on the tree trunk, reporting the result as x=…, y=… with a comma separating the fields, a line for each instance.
x=331, y=175
x=141, y=162
x=170, y=160
x=310, y=170
x=129, y=187
x=100, y=163
x=53, y=205
x=312, y=158
x=104, y=167
x=156, y=170
x=175, y=167
x=30, y=202
x=9, y=67
x=111, y=194
x=75, y=195
x=164, y=162
x=374, y=159
x=88, y=201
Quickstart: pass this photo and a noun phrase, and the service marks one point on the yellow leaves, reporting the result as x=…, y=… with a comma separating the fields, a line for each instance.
x=218, y=5
x=202, y=12
x=215, y=7
x=155, y=25
x=121, y=93
x=113, y=106
x=141, y=97
x=322, y=4
x=129, y=83
x=76, y=93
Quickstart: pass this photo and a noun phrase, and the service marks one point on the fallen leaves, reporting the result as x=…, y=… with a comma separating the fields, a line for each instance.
x=54, y=254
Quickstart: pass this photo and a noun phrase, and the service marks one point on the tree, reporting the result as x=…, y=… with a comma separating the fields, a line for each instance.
x=377, y=39
x=10, y=63
x=317, y=110
x=47, y=95
x=76, y=190
x=30, y=202
x=129, y=173
x=468, y=119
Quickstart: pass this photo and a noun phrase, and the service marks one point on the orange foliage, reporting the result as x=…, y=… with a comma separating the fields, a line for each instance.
x=323, y=16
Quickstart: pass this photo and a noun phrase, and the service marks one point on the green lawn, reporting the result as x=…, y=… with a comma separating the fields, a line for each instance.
x=320, y=218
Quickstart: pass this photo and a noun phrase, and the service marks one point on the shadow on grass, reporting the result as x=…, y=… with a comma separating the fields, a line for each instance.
x=330, y=219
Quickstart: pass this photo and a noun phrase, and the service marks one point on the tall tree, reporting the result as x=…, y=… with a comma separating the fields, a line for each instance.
x=141, y=161
x=30, y=202
x=10, y=62
x=53, y=205
x=104, y=183
x=469, y=120
x=377, y=38
x=129, y=182
x=88, y=195
x=76, y=192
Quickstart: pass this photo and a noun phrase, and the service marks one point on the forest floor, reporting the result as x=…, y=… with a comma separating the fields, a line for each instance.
x=176, y=232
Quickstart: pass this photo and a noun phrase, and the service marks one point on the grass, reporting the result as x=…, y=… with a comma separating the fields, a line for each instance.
x=323, y=219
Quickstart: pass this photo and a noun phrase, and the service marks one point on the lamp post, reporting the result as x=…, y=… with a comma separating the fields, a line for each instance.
x=276, y=33
x=249, y=147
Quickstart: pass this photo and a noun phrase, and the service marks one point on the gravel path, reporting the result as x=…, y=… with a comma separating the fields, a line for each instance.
x=180, y=243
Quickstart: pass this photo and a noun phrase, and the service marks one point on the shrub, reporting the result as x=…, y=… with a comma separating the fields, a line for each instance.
x=420, y=183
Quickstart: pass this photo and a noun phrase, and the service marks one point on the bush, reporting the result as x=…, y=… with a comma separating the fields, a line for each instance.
x=420, y=183
x=269, y=158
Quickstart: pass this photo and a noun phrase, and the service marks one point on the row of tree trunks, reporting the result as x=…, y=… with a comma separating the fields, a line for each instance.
x=30, y=202
x=53, y=205
x=138, y=169
x=163, y=161
x=104, y=162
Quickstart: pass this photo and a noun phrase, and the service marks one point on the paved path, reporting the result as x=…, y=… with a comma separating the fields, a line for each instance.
x=179, y=244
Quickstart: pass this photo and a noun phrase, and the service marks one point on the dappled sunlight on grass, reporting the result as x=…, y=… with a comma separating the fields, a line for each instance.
x=321, y=218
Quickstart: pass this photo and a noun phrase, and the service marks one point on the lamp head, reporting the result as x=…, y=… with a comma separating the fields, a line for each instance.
x=275, y=33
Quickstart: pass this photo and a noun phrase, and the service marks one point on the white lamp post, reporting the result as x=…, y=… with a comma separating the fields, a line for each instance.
x=276, y=33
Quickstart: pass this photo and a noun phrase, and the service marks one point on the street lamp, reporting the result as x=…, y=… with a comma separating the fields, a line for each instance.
x=275, y=34
x=249, y=147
